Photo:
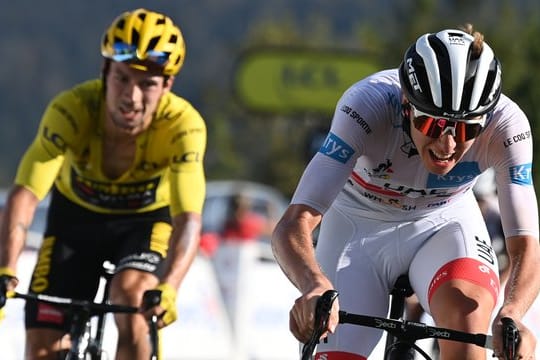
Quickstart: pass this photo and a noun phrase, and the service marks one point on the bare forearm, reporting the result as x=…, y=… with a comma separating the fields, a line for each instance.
x=523, y=283
x=292, y=244
x=296, y=258
x=16, y=220
x=184, y=245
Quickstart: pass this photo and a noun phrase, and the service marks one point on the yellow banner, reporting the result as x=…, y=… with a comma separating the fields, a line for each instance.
x=296, y=80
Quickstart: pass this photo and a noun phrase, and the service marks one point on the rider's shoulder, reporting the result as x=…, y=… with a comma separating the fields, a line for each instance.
x=175, y=109
x=81, y=94
x=507, y=113
x=507, y=106
x=382, y=79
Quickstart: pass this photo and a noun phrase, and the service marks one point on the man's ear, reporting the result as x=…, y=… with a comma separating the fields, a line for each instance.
x=169, y=83
x=406, y=109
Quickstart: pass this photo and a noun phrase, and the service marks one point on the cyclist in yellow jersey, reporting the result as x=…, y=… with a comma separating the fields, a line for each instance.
x=124, y=159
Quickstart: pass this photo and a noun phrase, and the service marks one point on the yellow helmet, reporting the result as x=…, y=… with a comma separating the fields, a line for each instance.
x=145, y=39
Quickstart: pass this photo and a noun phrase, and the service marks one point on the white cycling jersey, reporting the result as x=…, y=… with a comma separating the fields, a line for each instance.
x=371, y=159
x=386, y=215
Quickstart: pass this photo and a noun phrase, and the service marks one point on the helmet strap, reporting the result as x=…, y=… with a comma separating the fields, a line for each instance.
x=408, y=146
x=406, y=118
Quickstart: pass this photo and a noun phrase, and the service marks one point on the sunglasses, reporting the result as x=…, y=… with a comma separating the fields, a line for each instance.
x=124, y=53
x=462, y=130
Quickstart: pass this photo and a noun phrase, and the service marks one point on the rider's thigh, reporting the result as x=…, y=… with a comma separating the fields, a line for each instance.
x=459, y=249
x=45, y=344
x=455, y=275
x=462, y=305
x=127, y=288
x=348, y=258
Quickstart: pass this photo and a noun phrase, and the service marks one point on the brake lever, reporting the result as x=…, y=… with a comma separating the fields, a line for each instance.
x=3, y=291
x=322, y=314
x=151, y=298
x=511, y=338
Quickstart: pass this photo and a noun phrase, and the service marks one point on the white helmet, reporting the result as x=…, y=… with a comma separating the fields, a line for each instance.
x=441, y=76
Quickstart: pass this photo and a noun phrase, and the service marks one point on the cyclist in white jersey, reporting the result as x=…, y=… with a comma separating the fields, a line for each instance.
x=392, y=185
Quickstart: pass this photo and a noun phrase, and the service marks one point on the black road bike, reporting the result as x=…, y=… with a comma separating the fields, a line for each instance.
x=85, y=332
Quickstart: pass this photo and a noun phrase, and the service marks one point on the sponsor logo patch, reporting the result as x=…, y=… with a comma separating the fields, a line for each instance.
x=521, y=174
x=461, y=174
x=336, y=148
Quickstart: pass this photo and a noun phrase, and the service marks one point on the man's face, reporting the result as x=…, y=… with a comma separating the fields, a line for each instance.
x=439, y=154
x=132, y=97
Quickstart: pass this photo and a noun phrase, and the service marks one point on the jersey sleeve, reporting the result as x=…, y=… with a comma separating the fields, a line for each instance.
x=359, y=112
x=42, y=160
x=187, y=178
x=511, y=155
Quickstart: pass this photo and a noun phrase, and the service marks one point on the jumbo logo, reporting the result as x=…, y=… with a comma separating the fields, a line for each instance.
x=115, y=196
x=40, y=281
x=337, y=149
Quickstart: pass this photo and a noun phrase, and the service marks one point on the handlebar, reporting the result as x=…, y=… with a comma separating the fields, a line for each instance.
x=511, y=338
x=406, y=330
x=94, y=309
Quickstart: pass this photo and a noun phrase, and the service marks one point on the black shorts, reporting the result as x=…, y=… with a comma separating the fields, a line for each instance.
x=78, y=241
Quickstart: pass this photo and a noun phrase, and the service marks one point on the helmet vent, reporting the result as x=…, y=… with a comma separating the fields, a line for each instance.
x=120, y=25
x=152, y=43
x=134, y=36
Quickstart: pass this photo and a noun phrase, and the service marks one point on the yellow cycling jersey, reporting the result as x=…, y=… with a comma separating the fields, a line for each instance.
x=67, y=151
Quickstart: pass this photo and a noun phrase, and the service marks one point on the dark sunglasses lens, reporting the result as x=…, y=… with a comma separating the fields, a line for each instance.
x=434, y=128
x=466, y=132
x=428, y=126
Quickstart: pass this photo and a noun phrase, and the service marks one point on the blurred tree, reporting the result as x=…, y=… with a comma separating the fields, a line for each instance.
x=46, y=51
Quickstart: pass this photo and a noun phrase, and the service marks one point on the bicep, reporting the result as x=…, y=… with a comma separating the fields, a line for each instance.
x=187, y=178
x=38, y=169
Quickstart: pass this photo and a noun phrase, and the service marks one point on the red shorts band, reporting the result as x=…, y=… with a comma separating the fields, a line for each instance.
x=470, y=270
x=338, y=355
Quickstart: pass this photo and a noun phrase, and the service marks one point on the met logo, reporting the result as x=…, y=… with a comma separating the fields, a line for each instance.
x=336, y=148
x=521, y=174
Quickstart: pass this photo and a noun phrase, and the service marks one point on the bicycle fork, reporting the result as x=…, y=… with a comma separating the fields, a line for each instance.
x=396, y=349
x=80, y=329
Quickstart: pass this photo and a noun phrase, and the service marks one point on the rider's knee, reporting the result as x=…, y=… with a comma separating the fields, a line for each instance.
x=460, y=304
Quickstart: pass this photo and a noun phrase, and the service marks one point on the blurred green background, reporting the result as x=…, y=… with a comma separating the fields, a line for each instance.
x=264, y=74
